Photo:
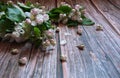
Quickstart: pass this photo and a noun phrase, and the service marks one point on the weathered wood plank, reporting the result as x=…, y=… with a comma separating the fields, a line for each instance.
x=39, y=65
x=100, y=59
x=94, y=61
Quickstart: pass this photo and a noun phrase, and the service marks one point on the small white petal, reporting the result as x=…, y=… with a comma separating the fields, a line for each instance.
x=67, y=34
x=27, y=14
x=63, y=42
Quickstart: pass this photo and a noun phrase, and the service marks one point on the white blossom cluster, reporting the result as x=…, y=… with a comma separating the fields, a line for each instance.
x=74, y=15
x=36, y=17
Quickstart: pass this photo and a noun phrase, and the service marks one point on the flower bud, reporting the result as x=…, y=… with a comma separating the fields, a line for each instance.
x=79, y=31
x=65, y=21
x=99, y=28
x=79, y=20
x=46, y=43
x=28, y=21
x=23, y=61
x=14, y=51
x=63, y=58
x=10, y=2
x=61, y=15
x=81, y=47
x=73, y=10
x=57, y=29
x=35, y=11
x=77, y=7
x=52, y=41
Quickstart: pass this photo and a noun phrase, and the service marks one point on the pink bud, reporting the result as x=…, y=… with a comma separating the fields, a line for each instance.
x=77, y=7
x=28, y=21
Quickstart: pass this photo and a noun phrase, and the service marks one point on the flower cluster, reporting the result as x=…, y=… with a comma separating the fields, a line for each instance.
x=74, y=15
x=36, y=16
x=31, y=22
x=27, y=24
x=70, y=16
x=36, y=21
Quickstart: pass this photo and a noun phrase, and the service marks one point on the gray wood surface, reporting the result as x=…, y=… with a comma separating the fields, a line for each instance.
x=99, y=59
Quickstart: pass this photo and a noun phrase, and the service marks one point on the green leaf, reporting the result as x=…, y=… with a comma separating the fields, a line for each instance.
x=36, y=32
x=15, y=14
x=23, y=6
x=87, y=21
x=53, y=16
x=6, y=26
x=65, y=9
x=54, y=13
x=72, y=23
x=3, y=6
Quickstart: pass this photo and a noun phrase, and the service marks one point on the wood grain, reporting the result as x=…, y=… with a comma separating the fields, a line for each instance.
x=99, y=59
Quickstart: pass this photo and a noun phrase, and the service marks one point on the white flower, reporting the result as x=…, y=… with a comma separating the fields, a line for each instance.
x=39, y=16
x=28, y=21
x=39, y=21
x=33, y=23
x=45, y=17
x=27, y=14
x=16, y=34
x=36, y=11
x=77, y=7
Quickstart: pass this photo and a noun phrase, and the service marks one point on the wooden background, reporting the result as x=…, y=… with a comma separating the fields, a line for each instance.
x=100, y=59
